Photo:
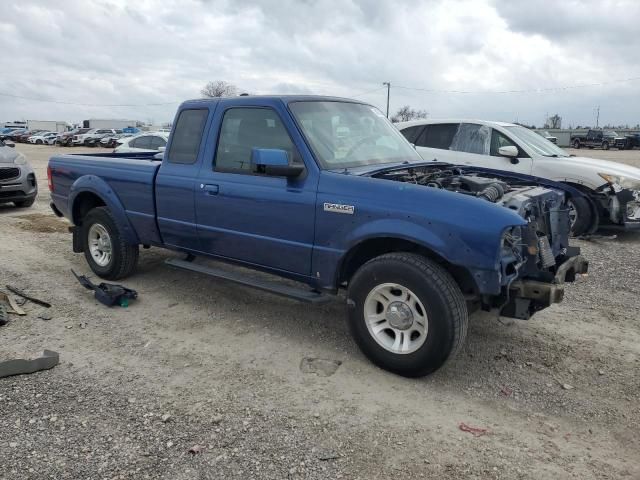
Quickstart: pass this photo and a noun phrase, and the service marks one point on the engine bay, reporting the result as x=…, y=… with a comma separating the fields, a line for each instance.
x=539, y=246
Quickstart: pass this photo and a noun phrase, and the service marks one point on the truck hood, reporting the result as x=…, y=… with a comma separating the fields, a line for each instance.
x=8, y=155
x=601, y=166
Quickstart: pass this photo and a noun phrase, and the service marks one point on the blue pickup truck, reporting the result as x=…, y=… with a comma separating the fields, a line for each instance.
x=326, y=193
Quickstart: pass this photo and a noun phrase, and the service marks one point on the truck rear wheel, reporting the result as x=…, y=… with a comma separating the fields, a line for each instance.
x=406, y=313
x=105, y=249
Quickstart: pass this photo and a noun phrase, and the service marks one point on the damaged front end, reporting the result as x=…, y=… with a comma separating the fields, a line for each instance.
x=535, y=259
x=620, y=201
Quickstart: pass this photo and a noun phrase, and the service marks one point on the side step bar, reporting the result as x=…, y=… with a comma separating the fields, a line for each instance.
x=247, y=280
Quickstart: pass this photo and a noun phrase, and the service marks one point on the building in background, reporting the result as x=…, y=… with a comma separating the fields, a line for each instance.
x=48, y=125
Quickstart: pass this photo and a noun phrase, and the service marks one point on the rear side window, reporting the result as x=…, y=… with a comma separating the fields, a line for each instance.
x=244, y=129
x=472, y=138
x=438, y=135
x=142, y=142
x=187, y=136
x=411, y=133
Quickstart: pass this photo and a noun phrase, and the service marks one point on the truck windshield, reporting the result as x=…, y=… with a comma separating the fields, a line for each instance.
x=535, y=142
x=344, y=135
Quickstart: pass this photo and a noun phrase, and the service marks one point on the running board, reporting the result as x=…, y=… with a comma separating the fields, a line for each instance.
x=247, y=280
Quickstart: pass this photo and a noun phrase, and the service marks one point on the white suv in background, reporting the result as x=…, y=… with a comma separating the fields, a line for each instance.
x=144, y=142
x=614, y=187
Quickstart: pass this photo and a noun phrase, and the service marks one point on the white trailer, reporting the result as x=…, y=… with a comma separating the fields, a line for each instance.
x=48, y=125
x=108, y=123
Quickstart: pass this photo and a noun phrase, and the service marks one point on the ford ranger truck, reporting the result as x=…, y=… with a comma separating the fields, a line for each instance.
x=327, y=195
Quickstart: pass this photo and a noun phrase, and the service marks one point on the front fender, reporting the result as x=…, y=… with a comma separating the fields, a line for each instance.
x=97, y=186
x=443, y=240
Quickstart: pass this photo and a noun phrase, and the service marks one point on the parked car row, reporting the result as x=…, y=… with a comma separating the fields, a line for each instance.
x=104, y=137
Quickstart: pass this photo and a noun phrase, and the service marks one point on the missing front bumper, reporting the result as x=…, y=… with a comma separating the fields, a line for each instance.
x=527, y=297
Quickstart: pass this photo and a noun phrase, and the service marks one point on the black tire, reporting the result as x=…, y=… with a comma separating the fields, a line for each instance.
x=124, y=256
x=605, y=145
x=584, y=216
x=576, y=144
x=443, y=301
x=25, y=203
x=39, y=142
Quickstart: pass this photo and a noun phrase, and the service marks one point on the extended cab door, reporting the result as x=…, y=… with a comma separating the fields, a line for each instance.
x=251, y=217
x=177, y=180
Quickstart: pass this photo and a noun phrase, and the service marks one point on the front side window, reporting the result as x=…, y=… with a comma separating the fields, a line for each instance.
x=472, y=138
x=498, y=140
x=244, y=129
x=438, y=136
x=344, y=135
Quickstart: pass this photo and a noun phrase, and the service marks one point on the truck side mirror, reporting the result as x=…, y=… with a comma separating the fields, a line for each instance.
x=275, y=162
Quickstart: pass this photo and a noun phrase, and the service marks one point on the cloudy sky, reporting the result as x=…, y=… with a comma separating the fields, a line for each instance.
x=90, y=55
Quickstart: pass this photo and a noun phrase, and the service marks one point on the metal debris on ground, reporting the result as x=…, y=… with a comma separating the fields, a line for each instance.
x=475, y=431
x=15, y=308
x=4, y=315
x=19, y=366
x=108, y=294
x=20, y=293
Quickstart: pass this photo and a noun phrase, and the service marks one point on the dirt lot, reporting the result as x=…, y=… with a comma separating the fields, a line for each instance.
x=235, y=372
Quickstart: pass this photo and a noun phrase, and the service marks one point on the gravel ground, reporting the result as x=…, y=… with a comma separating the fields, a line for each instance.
x=264, y=387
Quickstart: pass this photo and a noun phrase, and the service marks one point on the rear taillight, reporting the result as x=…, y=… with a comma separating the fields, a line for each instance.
x=49, y=179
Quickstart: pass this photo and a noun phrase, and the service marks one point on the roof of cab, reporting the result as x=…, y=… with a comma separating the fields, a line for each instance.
x=283, y=98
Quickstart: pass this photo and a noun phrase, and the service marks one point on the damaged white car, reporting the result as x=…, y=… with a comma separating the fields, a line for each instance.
x=613, y=188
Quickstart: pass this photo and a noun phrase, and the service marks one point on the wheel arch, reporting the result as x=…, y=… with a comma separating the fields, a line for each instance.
x=370, y=248
x=90, y=192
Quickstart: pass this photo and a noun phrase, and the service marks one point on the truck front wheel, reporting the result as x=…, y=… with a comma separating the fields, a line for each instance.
x=406, y=313
x=576, y=144
x=105, y=249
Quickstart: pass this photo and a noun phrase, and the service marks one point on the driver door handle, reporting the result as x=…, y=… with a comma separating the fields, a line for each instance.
x=210, y=189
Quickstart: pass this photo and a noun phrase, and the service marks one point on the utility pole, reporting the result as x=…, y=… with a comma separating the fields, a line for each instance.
x=388, y=84
x=597, y=116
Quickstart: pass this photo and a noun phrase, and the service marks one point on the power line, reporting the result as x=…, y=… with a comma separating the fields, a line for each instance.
x=368, y=91
x=44, y=100
x=533, y=90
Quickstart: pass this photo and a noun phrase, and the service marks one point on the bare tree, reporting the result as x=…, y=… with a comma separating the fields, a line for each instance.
x=554, y=121
x=407, y=113
x=219, y=88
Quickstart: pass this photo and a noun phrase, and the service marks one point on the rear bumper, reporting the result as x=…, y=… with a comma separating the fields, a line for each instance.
x=529, y=296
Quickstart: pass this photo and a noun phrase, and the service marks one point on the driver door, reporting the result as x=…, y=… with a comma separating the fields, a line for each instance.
x=256, y=218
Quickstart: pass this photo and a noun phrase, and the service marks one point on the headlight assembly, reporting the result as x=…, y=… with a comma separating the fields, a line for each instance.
x=624, y=182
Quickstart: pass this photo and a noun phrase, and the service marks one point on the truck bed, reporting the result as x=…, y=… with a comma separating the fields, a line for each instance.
x=127, y=179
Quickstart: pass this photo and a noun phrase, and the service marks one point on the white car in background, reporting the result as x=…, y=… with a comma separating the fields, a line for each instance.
x=42, y=138
x=613, y=187
x=143, y=142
